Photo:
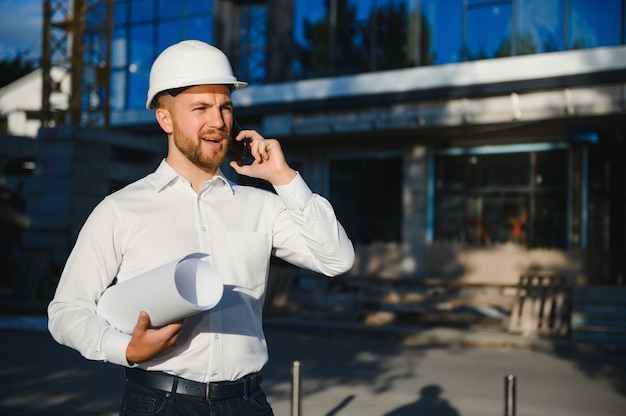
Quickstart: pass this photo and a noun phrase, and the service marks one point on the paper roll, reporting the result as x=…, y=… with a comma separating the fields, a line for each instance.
x=168, y=293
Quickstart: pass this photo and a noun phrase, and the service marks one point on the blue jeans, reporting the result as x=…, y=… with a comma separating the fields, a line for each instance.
x=144, y=401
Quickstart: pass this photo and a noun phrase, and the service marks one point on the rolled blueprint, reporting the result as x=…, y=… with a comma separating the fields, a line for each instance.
x=168, y=293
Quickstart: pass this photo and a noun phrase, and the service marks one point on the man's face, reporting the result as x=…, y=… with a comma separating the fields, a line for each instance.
x=202, y=117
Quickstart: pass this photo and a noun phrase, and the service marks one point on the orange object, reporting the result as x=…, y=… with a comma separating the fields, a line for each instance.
x=484, y=235
x=518, y=227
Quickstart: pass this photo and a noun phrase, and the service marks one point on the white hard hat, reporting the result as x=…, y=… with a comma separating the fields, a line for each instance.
x=189, y=63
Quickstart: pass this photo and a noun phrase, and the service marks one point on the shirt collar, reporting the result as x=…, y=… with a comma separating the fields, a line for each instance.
x=165, y=175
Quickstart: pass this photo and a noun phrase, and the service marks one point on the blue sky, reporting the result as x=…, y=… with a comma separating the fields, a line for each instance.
x=20, y=28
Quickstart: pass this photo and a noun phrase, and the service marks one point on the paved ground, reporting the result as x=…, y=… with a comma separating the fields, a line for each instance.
x=434, y=375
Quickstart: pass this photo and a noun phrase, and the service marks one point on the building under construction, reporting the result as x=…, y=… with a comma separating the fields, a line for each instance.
x=461, y=142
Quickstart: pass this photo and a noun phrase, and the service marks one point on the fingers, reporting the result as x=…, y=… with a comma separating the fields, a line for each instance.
x=264, y=147
x=147, y=342
x=269, y=161
x=143, y=321
x=171, y=331
x=257, y=144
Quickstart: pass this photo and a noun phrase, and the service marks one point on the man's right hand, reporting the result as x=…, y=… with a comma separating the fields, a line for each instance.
x=147, y=342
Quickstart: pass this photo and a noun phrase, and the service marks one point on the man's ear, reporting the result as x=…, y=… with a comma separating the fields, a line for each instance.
x=164, y=119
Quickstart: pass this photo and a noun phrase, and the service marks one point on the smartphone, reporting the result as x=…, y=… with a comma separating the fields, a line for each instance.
x=239, y=150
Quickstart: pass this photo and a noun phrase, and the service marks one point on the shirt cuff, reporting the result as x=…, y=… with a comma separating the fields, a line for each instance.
x=296, y=194
x=114, y=345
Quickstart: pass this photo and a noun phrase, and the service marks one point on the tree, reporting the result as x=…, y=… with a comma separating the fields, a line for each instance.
x=12, y=69
x=396, y=36
x=392, y=32
x=332, y=49
x=339, y=43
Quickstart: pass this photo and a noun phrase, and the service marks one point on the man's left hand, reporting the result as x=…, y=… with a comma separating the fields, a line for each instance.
x=269, y=161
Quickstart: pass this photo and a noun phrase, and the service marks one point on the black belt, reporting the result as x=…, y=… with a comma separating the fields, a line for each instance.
x=210, y=391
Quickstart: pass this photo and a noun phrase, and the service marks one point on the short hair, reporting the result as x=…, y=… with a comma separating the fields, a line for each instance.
x=173, y=92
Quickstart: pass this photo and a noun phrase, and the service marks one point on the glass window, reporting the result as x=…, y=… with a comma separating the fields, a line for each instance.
x=592, y=25
x=599, y=224
x=170, y=9
x=450, y=218
x=137, y=88
x=139, y=36
x=442, y=31
x=141, y=55
x=541, y=26
x=119, y=48
x=311, y=39
x=549, y=169
x=599, y=207
x=518, y=197
x=199, y=27
x=141, y=10
x=492, y=170
x=349, y=46
x=118, y=89
x=497, y=218
x=308, y=13
x=199, y=6
x=598, y=169
x=369, y=216
x=488, y=30
x=451, y=173
x=549, y=226
x=392, y=42
x=348, y=37
x=120, y=12
x=169, y=32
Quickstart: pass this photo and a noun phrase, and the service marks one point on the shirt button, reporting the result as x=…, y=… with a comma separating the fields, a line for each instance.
x=214, y=374
x=203, y=228
x=217, y=336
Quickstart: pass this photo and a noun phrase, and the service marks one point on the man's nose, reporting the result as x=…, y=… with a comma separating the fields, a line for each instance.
x=215, y=119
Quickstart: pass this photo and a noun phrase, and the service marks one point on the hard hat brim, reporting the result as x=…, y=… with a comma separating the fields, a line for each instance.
x=152, y=96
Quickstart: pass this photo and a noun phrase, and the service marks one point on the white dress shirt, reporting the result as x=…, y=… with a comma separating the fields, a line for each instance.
x=160, y=219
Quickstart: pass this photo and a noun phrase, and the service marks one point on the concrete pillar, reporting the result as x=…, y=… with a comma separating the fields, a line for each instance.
x=415, y=203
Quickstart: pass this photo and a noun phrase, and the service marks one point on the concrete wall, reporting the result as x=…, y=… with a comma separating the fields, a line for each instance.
x=499, y=263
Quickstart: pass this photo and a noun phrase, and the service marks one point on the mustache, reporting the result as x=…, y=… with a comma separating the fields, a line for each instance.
x=215, y=132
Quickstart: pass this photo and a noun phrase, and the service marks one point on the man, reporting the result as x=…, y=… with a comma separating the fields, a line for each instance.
x=208, y=363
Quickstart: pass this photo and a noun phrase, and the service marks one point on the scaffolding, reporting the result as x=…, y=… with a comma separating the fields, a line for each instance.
x=77, y=38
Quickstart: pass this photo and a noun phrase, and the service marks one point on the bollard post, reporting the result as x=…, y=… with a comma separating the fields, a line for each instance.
x=295, y=389
x=509, y=395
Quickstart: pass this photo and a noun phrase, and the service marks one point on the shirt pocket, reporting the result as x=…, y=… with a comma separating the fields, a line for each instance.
x=249, y=255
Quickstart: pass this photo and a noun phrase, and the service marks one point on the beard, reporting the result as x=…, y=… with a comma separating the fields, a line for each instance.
x=192, y=149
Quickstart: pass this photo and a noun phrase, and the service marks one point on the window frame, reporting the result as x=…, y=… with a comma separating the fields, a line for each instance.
x=531, y=192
